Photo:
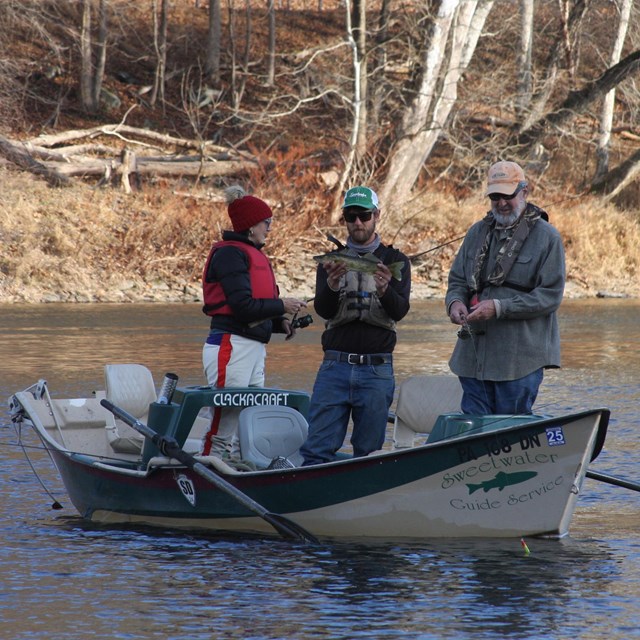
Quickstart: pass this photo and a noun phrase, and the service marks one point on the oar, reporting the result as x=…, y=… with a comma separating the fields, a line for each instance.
x=618, y=482
x=169, y=447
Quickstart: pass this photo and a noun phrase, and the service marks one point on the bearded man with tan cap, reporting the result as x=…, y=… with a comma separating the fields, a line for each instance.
x=505, y=287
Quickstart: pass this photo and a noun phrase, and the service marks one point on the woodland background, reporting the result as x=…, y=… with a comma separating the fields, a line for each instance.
x=122, y=122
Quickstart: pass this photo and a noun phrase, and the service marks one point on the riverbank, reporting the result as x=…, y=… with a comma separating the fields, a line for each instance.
x=83, y=244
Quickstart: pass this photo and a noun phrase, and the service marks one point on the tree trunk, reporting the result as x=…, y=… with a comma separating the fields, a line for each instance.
x=351, y=163
x=426, y=118
x=86, y=62
x=525, y=70
x=214, y=35
x=360, y=36
x=271, y=68
x=22, y=159
x=160, y=24
x=91, y=74
x=611, y=184
x=406, y=156
x=606, y=116
x=578, y=101
x=378, y=74
x=572, y=15
x=101, y=51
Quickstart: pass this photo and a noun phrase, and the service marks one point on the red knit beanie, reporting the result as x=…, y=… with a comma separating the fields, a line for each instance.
x=245, y=210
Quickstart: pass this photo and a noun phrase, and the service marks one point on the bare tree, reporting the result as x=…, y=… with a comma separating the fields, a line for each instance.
x=453, y=37
x=160, y=24
x=578, y=101
x=238, y=84
x=606, y=115
x=357, y=142
x=92, y=59
x=271, y=67
x=360, y=37
x=214, y=34
x=561, y=56
x=378, y=75
x=525, y=68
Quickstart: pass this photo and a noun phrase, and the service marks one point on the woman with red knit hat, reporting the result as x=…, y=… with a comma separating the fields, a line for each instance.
x=241, y=296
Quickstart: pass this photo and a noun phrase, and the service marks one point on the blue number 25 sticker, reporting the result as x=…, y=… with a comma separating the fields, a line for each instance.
x=555, y=436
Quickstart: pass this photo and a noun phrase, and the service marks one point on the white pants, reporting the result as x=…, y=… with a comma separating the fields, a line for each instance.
x=236, y=362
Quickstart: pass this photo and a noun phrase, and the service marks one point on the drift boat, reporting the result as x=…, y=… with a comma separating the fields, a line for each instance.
x=129, y=455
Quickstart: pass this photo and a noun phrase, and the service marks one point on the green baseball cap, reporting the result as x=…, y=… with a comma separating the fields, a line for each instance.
x=360, y=197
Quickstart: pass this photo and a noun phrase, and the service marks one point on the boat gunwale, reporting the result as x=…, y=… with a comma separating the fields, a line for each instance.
x=132, y=467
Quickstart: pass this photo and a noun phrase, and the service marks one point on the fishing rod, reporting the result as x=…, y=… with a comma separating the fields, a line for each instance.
x=444, y=244
x=410, y=258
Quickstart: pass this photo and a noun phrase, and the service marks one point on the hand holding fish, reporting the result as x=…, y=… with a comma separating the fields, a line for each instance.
x=382, y=278
x=367, y=263
x=335, y=270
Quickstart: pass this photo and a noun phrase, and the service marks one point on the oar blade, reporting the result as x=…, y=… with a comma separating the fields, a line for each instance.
x=289, y=529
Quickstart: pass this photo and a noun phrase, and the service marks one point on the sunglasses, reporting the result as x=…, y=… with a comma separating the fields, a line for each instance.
x=494, y=197
x=350, y=216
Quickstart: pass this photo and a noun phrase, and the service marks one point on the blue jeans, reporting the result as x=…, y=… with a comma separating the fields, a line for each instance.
x=506, y=397
x=364, y=392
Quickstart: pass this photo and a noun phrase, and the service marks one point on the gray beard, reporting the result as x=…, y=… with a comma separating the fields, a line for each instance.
x=504, y=222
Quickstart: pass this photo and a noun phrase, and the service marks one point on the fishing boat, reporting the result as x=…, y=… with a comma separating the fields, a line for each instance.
x=130, y=454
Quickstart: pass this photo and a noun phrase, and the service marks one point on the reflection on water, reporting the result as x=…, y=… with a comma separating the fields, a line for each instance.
x=64, y=578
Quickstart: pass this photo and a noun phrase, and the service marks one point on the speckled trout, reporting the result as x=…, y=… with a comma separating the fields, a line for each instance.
x=367, y=263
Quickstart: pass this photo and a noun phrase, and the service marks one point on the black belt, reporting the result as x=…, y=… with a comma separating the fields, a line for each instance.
x=359, y=358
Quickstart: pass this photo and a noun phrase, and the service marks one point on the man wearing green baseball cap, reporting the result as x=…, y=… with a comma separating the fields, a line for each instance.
x=356, y=378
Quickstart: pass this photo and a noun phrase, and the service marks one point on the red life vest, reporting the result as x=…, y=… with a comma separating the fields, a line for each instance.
x=263, y=281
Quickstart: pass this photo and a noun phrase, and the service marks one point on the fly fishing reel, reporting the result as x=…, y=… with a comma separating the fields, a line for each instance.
x=301, y=323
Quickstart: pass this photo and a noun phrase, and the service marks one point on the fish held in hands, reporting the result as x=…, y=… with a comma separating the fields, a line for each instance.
x=367, y=263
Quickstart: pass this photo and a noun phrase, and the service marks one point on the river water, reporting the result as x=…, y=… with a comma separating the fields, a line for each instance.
x=66, y=579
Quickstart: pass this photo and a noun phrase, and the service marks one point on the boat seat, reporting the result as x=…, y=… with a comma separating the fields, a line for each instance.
x=129, y=387
x=421, y=400
x=267, y=432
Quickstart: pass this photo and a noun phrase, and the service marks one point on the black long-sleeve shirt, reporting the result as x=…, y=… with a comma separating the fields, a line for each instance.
x=358, y=336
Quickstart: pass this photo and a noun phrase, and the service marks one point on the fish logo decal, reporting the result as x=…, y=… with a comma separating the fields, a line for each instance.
x=502, y=480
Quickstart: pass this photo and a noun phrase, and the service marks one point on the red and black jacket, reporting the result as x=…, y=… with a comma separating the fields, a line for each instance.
x=240, y=291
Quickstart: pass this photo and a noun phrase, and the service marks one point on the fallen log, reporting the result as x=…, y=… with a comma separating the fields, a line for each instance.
x=57, y=164
x=120, y=131
x=182, y=166
x=22, y=159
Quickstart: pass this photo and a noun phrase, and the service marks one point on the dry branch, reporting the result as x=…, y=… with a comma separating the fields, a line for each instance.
x=120, y=130
x=181, y=166
x=578, y=101
x=58, y=163
x=18, y=156
x=612, y=183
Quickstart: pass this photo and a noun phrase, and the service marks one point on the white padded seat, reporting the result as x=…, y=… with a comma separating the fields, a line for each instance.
x=268, y=432
x=421, y=399
x=129, y=387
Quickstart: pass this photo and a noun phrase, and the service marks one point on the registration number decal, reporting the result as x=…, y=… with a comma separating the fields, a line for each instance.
x=555, y=437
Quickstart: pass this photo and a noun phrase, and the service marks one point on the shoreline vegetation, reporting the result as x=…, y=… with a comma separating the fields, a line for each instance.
x=83, y=244
x=139, y=122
